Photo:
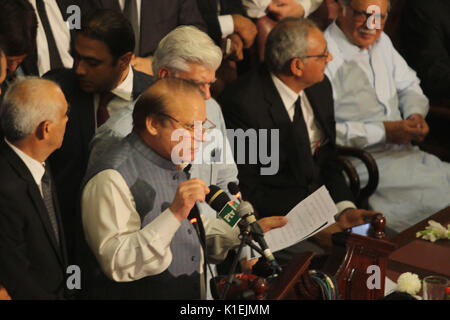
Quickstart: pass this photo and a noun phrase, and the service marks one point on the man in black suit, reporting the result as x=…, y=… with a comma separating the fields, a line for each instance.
x=101, y=83
x=33, y=257
x=290, y=93
x=152, y=21
x=57, y=25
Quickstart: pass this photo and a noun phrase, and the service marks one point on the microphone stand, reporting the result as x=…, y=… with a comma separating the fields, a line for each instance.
x=245, y=239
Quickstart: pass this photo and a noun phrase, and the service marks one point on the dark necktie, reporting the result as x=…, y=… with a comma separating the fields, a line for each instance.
x=302, y=137
x=102, y=111
x=48, y=201
x=55, y=59
x=130, y=11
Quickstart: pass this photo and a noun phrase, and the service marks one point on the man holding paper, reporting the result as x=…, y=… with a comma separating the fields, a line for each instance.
x=290, y=93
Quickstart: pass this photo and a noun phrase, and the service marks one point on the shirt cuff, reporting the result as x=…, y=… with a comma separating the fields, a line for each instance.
x=166, y=225
x=376, y=133
x=226, y=25
x=343, y=205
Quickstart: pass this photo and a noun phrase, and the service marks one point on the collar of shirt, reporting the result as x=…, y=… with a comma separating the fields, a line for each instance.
x=288, y=96
x=125, y=89
x=348, y=49
x=36, y=168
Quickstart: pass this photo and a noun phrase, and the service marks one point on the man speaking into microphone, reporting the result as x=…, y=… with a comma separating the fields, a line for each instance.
x=137, y=199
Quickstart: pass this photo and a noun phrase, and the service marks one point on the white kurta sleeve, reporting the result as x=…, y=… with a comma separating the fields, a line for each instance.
x=112, y=227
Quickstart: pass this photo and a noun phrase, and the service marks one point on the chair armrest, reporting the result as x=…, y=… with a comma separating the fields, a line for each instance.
x=371, y=166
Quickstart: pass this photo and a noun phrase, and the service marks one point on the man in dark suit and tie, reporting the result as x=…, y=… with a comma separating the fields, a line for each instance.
x=101, y=83
x=33, y=258
x=57, y=21
x=290, y=94
x=152, y=21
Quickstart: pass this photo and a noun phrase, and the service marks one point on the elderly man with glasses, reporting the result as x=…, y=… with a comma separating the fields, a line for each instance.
x=380, y=107
x=179, y=134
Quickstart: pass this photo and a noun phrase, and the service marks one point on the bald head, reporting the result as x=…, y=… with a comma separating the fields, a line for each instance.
x=27, y=103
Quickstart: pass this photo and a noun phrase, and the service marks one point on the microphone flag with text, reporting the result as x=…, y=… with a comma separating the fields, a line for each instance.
x=221, y=202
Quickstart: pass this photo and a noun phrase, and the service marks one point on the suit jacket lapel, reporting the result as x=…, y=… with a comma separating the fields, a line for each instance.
x=35, y=196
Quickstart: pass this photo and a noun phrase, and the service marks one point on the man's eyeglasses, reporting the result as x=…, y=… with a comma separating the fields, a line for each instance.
x=319, y=56
x=362, y=16
x=206, y=126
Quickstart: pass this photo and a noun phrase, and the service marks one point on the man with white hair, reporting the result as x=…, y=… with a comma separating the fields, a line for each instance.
x=381, y=108
x=33, y=257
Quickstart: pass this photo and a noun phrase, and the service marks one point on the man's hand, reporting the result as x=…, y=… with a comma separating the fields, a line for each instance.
x=245, y=28
x=279, y=9
x=354, y=217
x=188, y=193
x=142, y=64
x=420, y=124
x=273, y=222
x=404, y=131
x=236, y=52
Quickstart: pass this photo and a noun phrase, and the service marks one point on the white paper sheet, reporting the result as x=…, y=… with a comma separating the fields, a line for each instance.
x=310, y=216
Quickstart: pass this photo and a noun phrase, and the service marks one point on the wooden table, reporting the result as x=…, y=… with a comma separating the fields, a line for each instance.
x=420, y=256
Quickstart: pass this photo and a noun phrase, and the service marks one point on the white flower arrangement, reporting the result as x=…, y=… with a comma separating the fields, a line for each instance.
x=409, y=282
x=434, y=231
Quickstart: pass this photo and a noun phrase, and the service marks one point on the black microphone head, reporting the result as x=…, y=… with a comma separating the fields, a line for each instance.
x=233, y=188
x=217, y=198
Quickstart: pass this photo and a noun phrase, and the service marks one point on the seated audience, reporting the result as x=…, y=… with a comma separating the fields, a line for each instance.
x=100, y=83
x=33, y=257
x=144, y=242
x=290, y=95
x=380, y=107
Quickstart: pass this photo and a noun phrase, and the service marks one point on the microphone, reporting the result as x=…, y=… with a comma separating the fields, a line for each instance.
x=245, y=211
x=221, y=202
x=234, y=190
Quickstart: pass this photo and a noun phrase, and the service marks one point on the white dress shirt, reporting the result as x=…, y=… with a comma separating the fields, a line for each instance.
x=139, y=6
x=61, y=33
x=37, y=169
x=288, y=96
x=125, y=251
x=123, y=95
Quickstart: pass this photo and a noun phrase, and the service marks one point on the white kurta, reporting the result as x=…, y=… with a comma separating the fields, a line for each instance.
x=370, y=87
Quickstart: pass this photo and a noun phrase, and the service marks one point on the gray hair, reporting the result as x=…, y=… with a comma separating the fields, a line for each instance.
x=186, y=44
x=287, y=40
x=24, y=107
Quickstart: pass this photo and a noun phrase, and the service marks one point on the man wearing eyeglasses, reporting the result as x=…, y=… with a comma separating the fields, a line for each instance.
x=137, y=200
x=380, y=107
x=189, y=54
x=291, y=94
